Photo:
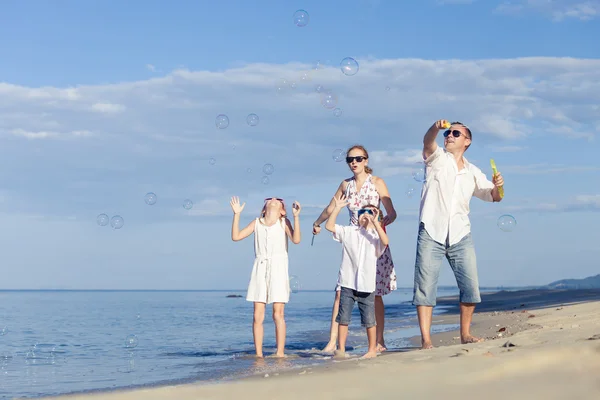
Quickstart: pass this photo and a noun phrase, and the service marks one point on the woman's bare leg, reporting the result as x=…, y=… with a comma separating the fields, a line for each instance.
x=333, y=332
x=278, y=318
x=380, y=319
x=257, y=327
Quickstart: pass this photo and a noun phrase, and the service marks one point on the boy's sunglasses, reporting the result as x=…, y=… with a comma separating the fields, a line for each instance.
x=365, y=210
x=357, y=158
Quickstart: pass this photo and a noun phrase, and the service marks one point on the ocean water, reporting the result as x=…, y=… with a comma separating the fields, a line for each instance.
x=58, y=342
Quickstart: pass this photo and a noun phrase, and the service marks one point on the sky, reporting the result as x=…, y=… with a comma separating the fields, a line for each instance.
x=104, y=101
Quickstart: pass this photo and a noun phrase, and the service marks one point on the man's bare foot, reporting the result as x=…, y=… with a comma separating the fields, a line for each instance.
x=426, y=345
x=330, y=348
x=369, y=354
x=470, y=339
x=339, y=354
x=381, y=348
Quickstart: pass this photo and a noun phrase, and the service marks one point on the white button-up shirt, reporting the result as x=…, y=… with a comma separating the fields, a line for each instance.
x=446, y=196
x=360, y=250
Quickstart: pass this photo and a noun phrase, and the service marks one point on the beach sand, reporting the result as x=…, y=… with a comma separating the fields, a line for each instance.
x=540, y=344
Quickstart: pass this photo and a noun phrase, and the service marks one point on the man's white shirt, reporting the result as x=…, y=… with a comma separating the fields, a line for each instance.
x=446, y=196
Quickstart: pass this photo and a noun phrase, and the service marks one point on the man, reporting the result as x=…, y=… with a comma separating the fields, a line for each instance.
x=444, y=229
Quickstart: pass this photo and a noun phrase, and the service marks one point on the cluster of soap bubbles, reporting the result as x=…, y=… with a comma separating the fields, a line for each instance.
x=150, y=198
x=295, y=285
x=116, y=221
x=222, y=120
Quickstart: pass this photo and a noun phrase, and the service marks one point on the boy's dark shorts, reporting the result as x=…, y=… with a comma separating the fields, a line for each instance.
x=366, y=306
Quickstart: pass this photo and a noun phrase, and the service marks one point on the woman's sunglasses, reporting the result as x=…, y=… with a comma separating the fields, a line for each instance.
x=271, y=198
x=357, y=158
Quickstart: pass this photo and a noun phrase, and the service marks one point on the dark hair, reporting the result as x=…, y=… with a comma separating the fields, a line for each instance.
x=368, y=169
x=467, y=129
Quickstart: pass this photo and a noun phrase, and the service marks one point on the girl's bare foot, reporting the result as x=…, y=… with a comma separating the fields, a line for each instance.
x=369, y=354
x=339, y=354
x=381, y=348
x=330, y=348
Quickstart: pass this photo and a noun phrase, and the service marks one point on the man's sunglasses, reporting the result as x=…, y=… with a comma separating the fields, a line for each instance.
x=364, y=210
x=357, y=158
x=454, y=133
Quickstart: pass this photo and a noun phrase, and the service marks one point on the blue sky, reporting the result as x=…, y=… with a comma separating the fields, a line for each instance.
x=103, y=101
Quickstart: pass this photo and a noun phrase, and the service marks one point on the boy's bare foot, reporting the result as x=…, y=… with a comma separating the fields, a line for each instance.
x=470, y=339
x=339, y=354
x=426, y=345
x=381, y=348
x=369, y=354
x=330, y=348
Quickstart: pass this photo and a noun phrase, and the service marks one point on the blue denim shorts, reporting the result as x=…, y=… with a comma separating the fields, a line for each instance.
x=366, y=306
x=462, y=260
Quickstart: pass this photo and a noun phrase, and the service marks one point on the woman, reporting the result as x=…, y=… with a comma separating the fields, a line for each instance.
x=361, y=190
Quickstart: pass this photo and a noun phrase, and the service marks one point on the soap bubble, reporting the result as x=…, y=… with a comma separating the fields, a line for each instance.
x=301, y=18
x=117, y=222
x=387, y=88
x=305, y=77
x=212, y=161
x=329, y=100
x=507, y=222
x=252, y=119
x=319, y=88
x=349, y=66
x=293, y=85
x=418, y=172
x=222, y=121
x=282, y=86
x=188, y=204
x=265, y=180
x=249, y=170
x=337, y=112
x=102, y=219
x=338, y=155
x=150, y=198
x=268, y=169
x=410, y=191
x=295, y=285
x=131, y=342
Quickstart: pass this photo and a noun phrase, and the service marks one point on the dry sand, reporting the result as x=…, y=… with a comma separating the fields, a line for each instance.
x=540, y=345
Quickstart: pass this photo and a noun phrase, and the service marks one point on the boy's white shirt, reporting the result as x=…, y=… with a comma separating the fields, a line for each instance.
x=360, y=250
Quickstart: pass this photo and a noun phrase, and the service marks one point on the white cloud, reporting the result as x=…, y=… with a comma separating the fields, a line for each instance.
x=150, y=67
x=575, y=204
x=108, y=108
x=540, y=169
x=557, y=10
x=162, y=130
x=506, y=149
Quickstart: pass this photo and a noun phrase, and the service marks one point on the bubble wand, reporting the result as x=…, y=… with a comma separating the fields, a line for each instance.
x=495, y=171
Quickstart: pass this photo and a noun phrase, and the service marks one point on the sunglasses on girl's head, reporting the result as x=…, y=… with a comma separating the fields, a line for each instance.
x=357, y=158
x=365, y=210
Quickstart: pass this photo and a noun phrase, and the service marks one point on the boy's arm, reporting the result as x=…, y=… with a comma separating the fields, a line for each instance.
x=383, y=237
x=330, y=225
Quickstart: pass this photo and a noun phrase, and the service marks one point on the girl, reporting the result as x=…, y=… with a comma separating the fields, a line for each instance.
x=361, y=190
x=269, y=282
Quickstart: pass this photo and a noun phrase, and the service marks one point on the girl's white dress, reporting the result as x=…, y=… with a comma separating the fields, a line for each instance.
x=269, y=282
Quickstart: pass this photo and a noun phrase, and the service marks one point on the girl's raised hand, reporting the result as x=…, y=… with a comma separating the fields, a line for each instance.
x=235, y=205
x=296, y=209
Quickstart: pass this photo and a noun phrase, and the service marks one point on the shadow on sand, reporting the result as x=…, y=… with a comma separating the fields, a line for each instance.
x=525, y=299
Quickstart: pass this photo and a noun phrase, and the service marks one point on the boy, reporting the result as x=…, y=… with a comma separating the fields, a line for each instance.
x=362, y=245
